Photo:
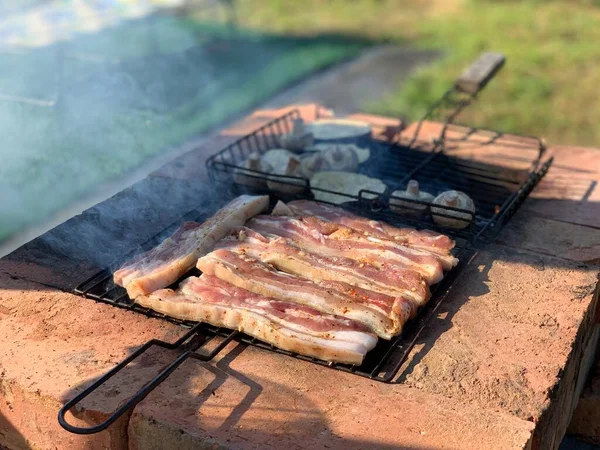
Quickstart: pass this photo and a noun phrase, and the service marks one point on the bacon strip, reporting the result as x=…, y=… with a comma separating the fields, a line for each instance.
x=284, y=255
x=286, y=325
x=383, y=315
x=166, y=263
x=330, y=239
x=423, y=239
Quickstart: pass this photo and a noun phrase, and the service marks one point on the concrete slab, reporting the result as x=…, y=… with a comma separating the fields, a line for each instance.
x=507, y=335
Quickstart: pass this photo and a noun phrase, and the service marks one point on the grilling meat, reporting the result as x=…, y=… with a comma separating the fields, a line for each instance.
x=382, y=314
x=288, y=326
x=424, y=239
x=167, y=262
x=284, y=255
x=311, y=278
x=330, y=239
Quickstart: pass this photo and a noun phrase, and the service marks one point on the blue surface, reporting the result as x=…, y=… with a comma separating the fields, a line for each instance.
x=127, y=93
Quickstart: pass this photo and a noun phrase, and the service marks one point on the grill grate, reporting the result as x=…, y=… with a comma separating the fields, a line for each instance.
x=497, y=193
x=382, y=363
x=491, y=187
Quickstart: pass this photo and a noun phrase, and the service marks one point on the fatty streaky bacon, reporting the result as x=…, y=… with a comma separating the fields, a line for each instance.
x=284, y=255
x=383, y=315
x=170, y=260
x=337, y=231
x=329, y=239
x=422, y=239
x=288, y=326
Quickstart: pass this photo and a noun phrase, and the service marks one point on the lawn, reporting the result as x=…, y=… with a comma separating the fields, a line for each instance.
x=549, y=86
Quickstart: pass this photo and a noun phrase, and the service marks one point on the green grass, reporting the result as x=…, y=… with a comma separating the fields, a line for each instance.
x=549, y=87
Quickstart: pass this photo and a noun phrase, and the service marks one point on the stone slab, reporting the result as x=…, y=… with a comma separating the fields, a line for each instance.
x=503, y=357
x=253, y=399
x=570, y=192
x=556, y=238
x=509, y=337
x=53, y=345
x=59, y=343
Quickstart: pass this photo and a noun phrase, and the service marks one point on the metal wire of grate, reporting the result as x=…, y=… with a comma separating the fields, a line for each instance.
x=382, y=363
x=497, y=192
x=492, y=188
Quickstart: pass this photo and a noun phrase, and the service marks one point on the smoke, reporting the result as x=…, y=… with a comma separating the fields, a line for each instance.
x=66, y=133
x=80, y=113
x=75, y=115
x=106, y=233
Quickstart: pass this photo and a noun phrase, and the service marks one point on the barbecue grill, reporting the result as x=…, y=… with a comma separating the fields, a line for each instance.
x=497, y=193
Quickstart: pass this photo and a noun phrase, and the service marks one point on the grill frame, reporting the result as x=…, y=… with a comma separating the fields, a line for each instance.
x=421, y=157
x=384, y=362
x=191, y=345
x=100, y=287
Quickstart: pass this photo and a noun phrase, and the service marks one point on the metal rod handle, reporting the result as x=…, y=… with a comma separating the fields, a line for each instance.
x=145, y=390
x=462, y=93
x=130, y=403
x=475, y=77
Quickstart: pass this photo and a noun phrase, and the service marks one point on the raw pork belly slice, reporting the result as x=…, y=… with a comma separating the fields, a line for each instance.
x=330, y=239
x=170, y=260
x=424, y=239
x=284, y=255
x=288, y=326
x=380, y=313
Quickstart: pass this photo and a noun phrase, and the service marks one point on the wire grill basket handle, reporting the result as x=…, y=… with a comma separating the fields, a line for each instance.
x=475, y=77
x=147, y=388
x=462, y=93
